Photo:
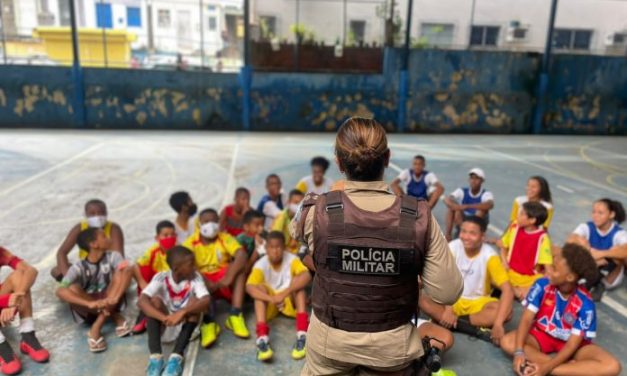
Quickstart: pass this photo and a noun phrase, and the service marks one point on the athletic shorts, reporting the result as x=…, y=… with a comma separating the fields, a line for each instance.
x=463, y=307
x=549, y=344
x=522, y=280
x=223, y=293
x=286, y=309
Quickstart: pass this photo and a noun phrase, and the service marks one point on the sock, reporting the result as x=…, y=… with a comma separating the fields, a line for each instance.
x=235, y=311
x=183, y=339
x=154, y=336
x=208, y=318
x=27, y=324
x=464, y=325
x=6, y=352
x=262, y=329
x=31, y=340
x=302, y=322
x=2, y=339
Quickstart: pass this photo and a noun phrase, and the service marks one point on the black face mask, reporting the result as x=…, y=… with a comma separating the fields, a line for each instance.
x=192, y=210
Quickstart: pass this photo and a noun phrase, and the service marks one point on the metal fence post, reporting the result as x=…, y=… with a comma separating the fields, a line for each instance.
x=104, y=41
x=246, y=73
x=202, y=36
x=80, y=114
x=4, y=42
x=403, y=84
x=543, y=79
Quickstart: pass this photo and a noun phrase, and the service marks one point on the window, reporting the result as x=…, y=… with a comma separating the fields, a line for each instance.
x=435, y=34
x=133, y=17
x=572, y=39
x=484, y=35
x=268, y=27
x=357, y=32
x=163, y=19
x=64, y=13
x=213, y=23
x=104, y=17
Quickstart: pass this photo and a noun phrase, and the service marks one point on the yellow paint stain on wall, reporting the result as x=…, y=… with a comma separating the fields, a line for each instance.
x=59, y=98
x=128, y=108
x=196, y=116
x=184, y=106
x=19, y=107
x=3, y=98
x=141, y=118
x=177, y=97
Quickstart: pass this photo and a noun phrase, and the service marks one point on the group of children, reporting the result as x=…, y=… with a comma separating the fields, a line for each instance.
x=204, y=256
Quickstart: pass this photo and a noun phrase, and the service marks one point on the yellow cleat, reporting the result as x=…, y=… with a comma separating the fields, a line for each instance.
x=237, y=325
x=264, y=352
x=298, y=352
x=444, y=372
x=209, y=333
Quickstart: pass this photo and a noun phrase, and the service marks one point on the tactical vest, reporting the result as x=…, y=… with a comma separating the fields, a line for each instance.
x=367, y=264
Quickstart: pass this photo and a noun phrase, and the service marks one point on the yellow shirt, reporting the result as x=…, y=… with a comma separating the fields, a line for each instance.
x=282, y=224
x=213, y=256
x=154, y=259
x=82, y=253
x=276, y=279
x=518, y=203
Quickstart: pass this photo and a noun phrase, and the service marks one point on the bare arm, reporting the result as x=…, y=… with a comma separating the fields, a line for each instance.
x=309, y=262
x=197, y=306
x=29, y=274
x=239, y=262
x=396, y=187
x=298, y=283
x=69, y=296
x=70, y=241
x=526, y=320
x=139, y=278
x=258, y=293
x=117, y=238
x=222, y=221
x=149, y=310
x=430, y=308
x=435, y=196
x=451, y=203
x=505, y=304
x=484, y=206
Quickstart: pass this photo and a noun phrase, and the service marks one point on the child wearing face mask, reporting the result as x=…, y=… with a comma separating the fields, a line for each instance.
x=221, y=261
x=153, y=262
x=95, y=217
x=185, y=209
x=283, y=220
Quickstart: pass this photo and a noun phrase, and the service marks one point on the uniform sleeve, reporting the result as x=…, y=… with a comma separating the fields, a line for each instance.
x=586, y=324
x=302, y=186
x=200, y=289
x=535, y=295
x=545, y=257
x=496, y=271
x=153, y=287
x=458, y=195
x=256, y=277
x=403, y=176
x=297, y=267
x=487, y=196
x=620, y=238
x=144, y=260
x=507, y=238
x=441, y=278
x=514, y=214
x=188, y=243
x=232, y=245
x=547, y=223
x=72, y=276
x=583, y=231
x=431, y=179
x=270, y=209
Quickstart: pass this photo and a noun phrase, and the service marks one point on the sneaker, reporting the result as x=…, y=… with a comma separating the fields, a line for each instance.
x=155, y=365
x=444, y=372
x=264, y=352
x=209, y=333
x=298, y=352
x=596, y=292
x=237, y=324
x=140, y=324
x=30, y=346
x=9, y=363
x=174, y=366
x=484, y=334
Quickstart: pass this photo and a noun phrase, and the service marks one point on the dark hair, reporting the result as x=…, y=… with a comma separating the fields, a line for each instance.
x=96, y=201
x=250, y=215
x=581, y=262
x=361, y=147
x=86, y=237
x=208, y=210
x=242, y=190
x=178, y=199
x=295, y=192
x=537, y=211
x=276, y=235
x=420, y=157
x=545, y=191
x=483, y=225
x=321, y=162
x=176, y=255
x=616, y=207
x=272, y=176
x=164, y=224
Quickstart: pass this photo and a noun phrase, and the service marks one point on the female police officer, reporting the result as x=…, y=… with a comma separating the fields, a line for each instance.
x=369, y=247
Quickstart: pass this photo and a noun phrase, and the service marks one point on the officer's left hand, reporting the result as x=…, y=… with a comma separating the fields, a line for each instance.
x=497, y=334
x=449, y=319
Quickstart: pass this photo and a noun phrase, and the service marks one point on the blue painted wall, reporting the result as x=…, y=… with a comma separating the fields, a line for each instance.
x=449, y=91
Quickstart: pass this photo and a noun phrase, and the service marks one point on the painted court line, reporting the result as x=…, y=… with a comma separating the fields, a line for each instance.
x=613, y=304
x=565, y=189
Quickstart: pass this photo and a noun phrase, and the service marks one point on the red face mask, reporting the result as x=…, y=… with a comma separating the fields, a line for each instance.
x=167, y=243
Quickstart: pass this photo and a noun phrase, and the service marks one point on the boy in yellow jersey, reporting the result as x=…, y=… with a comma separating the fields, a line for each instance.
x=526, y=248
x=95, y=217
x=283, y=220
x=153, y=262
x=220, y=259
x=277, y=283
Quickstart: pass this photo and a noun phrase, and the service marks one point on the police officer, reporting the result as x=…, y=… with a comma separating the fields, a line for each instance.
x=368, y=248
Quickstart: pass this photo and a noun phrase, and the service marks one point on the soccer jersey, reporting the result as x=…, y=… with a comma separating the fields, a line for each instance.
x=282, y=224
x=479, y=272
x=270, y=209
x=152, y=262
x=561, y=317
x=174, y=295
x=465, y=197
x=602, y=241
x=215, y=255
x=94, y=278
x=233, y=226
x=307, y=185
x=518, y=203
x=82, y=253
x=527, y=249
x=278, y=279
x=418, y=186
x=247, y=242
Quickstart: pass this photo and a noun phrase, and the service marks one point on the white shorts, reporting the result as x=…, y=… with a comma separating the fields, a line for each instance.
x=617, y=282
x=419, y=322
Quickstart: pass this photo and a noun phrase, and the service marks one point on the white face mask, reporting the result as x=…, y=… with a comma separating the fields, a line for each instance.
x=293, y=208
x=97, y=221
x=209, y=229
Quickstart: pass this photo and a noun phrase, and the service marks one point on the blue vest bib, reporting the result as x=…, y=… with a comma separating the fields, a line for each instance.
x=602, y=243
x=468, y=199
x=417, y=186
x=265, y=199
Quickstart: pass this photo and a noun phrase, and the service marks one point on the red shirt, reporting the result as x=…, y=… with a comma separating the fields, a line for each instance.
x=233, y=226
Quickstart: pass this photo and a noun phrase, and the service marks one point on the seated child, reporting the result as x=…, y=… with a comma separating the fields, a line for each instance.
x=560, y=319
x=220, y=259
x=526, y=248
x=251, y=238
x=277, y=284
x=232, y=215
x=472, y=200
x=95, y=217
x=185, y=209
x=316, y=182
x=151, y=263
x=607, y=242
x=271, y=203
x=283, y=220
x=420, y=183
x=174, y=299
x=95, y=286
x=15, y=298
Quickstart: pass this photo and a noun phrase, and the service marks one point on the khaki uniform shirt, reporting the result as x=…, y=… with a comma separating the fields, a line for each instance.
x=441, y=280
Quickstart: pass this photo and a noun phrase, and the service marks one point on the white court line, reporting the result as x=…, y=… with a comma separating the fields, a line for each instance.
x=613, y=304
x=51, y=169
x=565, y=189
